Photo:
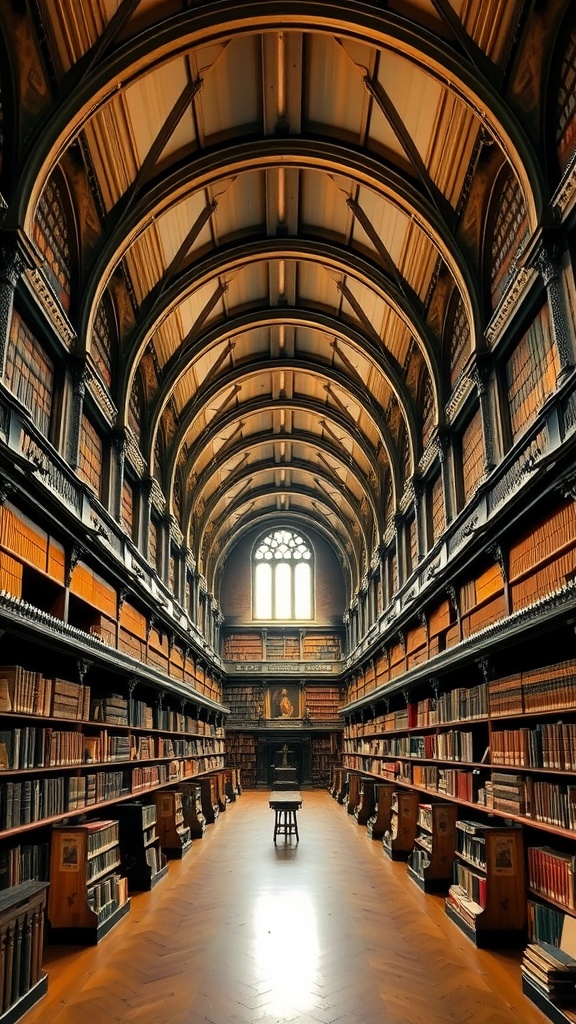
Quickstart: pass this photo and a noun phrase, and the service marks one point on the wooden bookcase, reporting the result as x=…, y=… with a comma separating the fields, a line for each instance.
x=87, y=894
x=143, y=862
x=488, y=899
x=209, y=797
x=22, y=917
x=241, y=755
x=353, y=795
x=430, y=863
x=365, y=806
x=398, y=840
x=192, y=808
x=175, y=838
x=380, y=820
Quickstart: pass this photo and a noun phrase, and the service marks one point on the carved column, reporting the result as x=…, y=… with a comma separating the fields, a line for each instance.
x=480, y=375
x=80, y=375
x=547, y=263
x=419, y=517
x=346, y=621
x=145, y=513
x=120, y=446
x=165, y=549
x=11, y=266
x=444, y=445
x=400, y=549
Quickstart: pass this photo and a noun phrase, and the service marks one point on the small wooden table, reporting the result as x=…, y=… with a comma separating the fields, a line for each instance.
x=285, y=804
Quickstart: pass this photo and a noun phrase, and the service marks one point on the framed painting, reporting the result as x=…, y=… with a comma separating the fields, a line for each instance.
x=283, y=700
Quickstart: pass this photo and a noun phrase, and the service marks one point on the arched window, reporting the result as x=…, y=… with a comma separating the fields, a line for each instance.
x=283, y=578
x=566, y=106
x=135, y=407
x=30, y=373
x=52, y=235
x=510, y=233
x=103, y=335
x=428, y=421
x=459, y=333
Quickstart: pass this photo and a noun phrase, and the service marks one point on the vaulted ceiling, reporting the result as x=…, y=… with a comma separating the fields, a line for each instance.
x=281, y=184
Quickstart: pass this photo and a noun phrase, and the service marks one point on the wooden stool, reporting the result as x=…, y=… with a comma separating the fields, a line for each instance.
x=285, y=823
x=285, y=806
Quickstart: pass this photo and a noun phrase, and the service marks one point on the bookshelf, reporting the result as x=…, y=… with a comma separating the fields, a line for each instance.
x=232, y=784
x=209, y=798
x=335, y=784
x=219, y=779
x=282, y=644
x=241, y=755
x=243, y=647
x=398, y=840
x=87, y=895
x=353, y=794
x=143, y=862
x=175, y=838
x=22, y=920
x=430, y=862
x=322, y=647
x=487, y=899
x=192, y=808
x=365, y=806
x=66, y=747
x=325, y=753
x=322, y=703
x=380, y=820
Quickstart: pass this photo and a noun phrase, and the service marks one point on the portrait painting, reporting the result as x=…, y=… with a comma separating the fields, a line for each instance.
x=283, y=700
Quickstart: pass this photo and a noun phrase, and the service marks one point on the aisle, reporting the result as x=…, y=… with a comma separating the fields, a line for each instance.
x=327, y=930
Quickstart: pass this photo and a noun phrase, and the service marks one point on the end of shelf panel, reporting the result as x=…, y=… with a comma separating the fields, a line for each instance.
x=88, y=936
x=488, y=938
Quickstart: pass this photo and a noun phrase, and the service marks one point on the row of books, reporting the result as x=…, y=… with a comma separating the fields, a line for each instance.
x=551, y=873
x=544, y=922
x=471, y=841
x=107, y=895
x=102, y=862
x=454, y=782
x=23, y=863
x=542, y=689
x=509, y=793
x=24, y=691
x=549, y=802
x=446, y=746
x=548, y=745
x=31, y=693
x=30, y=800
x=473, y=884
x=32, y=747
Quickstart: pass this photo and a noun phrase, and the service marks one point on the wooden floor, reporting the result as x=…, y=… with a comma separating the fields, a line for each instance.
x=327, y=931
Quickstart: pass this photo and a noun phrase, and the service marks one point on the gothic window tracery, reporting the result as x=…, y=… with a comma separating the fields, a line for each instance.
x=282, y=573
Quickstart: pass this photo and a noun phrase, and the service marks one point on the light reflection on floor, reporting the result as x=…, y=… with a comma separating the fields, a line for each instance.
x=287, y=949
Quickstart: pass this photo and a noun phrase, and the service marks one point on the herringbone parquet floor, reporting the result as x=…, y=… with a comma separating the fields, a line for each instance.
x=328, y=931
